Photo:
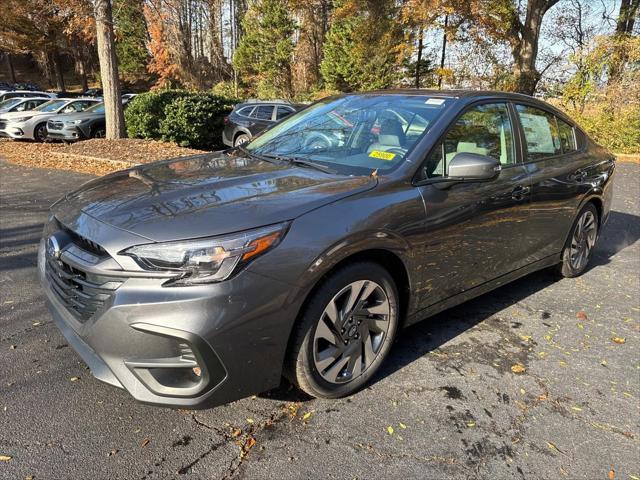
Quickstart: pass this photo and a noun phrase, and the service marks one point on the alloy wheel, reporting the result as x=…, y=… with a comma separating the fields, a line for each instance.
x=583, y=240
x=351, y=331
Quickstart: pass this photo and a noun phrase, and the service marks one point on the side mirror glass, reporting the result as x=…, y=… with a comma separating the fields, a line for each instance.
x=473, y=167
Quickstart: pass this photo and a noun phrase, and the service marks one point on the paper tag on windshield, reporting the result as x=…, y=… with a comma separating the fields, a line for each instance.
x=382, y=155
x=434, y=101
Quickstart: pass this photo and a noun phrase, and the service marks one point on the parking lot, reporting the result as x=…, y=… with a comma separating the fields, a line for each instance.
x=539, y=379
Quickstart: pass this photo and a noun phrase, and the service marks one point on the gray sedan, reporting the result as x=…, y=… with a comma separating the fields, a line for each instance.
x=196, y=281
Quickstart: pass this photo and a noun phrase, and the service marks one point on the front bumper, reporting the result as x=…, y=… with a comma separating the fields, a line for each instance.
x=15, y=131
x=147, y=338
x=68, y=134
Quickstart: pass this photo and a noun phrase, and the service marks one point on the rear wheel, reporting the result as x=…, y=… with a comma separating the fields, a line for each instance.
x=40, y=132
x=345, y=331
x=240, y=139
x=582, y=239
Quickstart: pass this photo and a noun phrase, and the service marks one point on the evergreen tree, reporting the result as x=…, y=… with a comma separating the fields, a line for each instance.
x=264, y=54
x=131, y=38
x=363, y=49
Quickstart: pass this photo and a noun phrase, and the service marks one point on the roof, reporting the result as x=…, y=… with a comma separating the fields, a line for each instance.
x=450, y=93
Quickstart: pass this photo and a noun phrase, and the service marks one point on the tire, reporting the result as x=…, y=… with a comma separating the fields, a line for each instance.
x=40, y=132
x=582, y=239
x=240, y=139
x=98, y=132
x=319, y=362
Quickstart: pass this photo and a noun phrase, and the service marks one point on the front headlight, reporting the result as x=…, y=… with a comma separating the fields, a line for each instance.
x=20, y=119
x=74, y=122
x=207, y=260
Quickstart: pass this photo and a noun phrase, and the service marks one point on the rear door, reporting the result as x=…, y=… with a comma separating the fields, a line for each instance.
x=474, y=231
x=261, y=118
x=558, y=164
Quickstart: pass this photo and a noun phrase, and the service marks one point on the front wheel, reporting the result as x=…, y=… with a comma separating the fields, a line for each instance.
x=40, y=133
x=579, y=248
x=240, y=140
x=345, y=332
x=99, y=132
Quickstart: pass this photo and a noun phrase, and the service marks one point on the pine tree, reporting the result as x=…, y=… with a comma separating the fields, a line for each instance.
x=131, y=37
x=363, y=49
x=263, y=57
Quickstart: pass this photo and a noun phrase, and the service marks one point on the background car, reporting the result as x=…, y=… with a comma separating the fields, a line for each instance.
x=21, y=104
x=252, y=117
x=32, y=125
x=24, y=94
x=79, y=126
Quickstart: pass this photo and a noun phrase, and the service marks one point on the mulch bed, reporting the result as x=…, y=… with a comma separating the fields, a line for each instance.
x=98, y=156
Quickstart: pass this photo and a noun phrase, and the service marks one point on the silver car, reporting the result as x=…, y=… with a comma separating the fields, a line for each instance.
x=21, y=104
x=32, y=125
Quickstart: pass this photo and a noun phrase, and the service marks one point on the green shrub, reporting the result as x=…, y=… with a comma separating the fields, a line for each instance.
x=191, y=119
x=195, y=120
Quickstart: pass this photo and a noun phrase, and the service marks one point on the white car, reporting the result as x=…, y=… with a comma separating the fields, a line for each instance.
x=7, y=94
x=21, y=104
x=32, y=125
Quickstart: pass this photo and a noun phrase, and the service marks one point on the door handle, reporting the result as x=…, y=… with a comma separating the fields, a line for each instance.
x=520, y=192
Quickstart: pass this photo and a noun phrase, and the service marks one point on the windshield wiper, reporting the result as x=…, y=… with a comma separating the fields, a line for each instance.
x=256, y=156
x=303, y=162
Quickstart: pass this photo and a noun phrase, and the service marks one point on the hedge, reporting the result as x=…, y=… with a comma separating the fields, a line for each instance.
x=190, y=119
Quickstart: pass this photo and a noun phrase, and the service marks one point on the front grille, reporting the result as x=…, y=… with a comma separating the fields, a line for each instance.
x=82, y=293
x=54, y=125
x=86, y=244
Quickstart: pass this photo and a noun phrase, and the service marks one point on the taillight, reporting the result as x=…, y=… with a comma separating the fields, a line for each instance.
x=226, y=119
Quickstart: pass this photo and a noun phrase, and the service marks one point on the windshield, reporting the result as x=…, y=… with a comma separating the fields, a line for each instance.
x=10, y=102
x=51, y=105
x=353, y=134
x=99, y=108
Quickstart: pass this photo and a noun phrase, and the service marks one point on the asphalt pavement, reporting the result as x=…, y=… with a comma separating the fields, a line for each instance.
x=539, y=379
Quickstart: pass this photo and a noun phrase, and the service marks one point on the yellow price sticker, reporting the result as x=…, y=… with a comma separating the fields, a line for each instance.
x=388, y=156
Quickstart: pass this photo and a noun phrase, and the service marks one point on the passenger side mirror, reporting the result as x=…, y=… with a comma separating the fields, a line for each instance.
x=469, y=167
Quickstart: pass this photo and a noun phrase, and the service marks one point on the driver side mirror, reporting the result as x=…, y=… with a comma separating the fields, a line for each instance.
x=469, y=167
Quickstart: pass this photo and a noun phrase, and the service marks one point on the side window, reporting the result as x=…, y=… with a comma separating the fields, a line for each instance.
x=263, y=112
x=245, y=111
x=283, y=112
x=21, y=108
x=68, y=109
x=540, y=131
x=485, y=129
x=567, y=137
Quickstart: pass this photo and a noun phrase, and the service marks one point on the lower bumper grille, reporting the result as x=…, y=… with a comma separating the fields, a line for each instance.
x=54, y=125
x=82, y=293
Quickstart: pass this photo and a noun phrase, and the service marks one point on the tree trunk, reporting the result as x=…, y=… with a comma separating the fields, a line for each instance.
x=57, y=68
x=444, y=50
x=627, y=16
x=10, y=69
x=524, y=45
x=420, y=35
x=109, y=69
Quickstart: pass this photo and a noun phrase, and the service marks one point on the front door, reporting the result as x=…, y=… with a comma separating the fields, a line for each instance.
x=474, y=232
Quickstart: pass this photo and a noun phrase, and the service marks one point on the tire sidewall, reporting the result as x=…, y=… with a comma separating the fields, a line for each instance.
x=39, y=128
x=237, y=142
x=306, y=375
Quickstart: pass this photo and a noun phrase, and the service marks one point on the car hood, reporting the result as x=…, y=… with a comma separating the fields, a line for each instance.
x=204, y=195
x=28, y=113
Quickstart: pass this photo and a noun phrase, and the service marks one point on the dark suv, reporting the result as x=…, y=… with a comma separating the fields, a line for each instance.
x=250, y=118
x=199, y=280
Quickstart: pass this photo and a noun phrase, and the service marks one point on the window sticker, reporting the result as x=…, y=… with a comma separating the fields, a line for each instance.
x=434, y=101
x=388, y=156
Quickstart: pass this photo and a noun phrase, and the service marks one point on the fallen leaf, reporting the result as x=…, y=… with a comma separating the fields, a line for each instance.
x=402, y=425
x=112, y=452
x=612, y=474
x=619, y=340
x=145, y=442
x=35, y=324
x=5, y=458
x=74, y=379
x=471, y=424
x=577, y=409
x=390, y=430
x=581, y=316
x=249, y=444
x=13, y=347
x=307, y=416
x=518, y=368
x=236, y=432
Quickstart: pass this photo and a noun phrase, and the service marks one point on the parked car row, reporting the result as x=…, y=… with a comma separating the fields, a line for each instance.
x=42, y=118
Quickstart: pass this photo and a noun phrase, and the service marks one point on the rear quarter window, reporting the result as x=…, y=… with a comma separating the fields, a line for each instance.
x=541, y=132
